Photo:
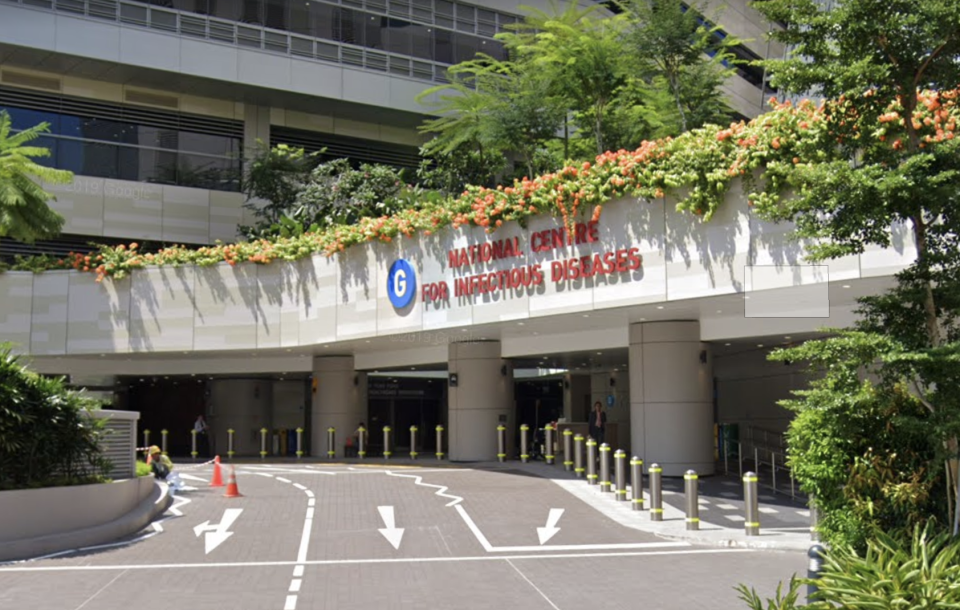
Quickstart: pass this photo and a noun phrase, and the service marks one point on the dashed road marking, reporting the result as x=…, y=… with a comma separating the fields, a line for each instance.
x=726, y=507
x=735, y=517
x=768, y=510
x=803, y=513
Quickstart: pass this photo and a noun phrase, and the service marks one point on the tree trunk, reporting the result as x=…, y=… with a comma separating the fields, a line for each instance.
x=675, y=87
x=598, y=126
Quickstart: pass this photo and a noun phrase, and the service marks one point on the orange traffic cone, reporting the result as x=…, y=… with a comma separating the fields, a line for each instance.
x=217, y=480
x=232, y=491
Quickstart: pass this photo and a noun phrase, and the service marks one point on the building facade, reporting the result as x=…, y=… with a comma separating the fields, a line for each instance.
x=152, y=106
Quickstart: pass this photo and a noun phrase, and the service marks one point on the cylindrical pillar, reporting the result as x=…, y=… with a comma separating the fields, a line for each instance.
x=620, y=474
x=591, y=461
x=502, y=443
x=413, y=442
x=331, y=442
x=671, y=396
x=163, y=440
x=815, y=554
x=339, y=398
x=439, y=442
x=578, y=456
x=146, y=438
x=299, y=443
x=193, y=444
x=386, y=443
x=568, y=450
x=750, y=502
x=230, y=451
x=690, y=481
x=636, y=483
x=548, y=434
x=263, y=443
x=361, y=442
x=524, y=451
x=604, y=467
x=656, y=492
x=480, y=396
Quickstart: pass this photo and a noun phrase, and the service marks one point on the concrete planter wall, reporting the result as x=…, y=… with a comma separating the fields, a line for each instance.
x=39, y=521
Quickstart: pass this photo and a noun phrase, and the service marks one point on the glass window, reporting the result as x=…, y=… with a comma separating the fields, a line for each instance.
x=89, y=158
x=224, y=9
x=465, y=47
x=399, y=37
x=275, y=14
x=443, y=46
x=93, y=128
x=24, y=118
x=421, y=41
x=348, y=27
x=52, y=145
x=373, y=26
x=209, y=144
x=252, y=11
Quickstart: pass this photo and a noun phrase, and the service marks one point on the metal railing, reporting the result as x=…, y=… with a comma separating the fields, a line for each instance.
x=245, y=35
x=765, y=453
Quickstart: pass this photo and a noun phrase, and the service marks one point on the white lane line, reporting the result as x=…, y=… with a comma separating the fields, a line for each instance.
x=178, y=501
x=803, y=513
x=291, y=603
x=300, y=487
x=336, y=562
x=298, y=570
x=310, y=512
x=190, y=477
x=264, y=474
x=441, y=489
x=735, y=517
x=311, y=501
x=768, y=510
x=529, y=582
x=308, y=492
x=726, y=507
x=283, y=480
x=295, y=585
x=473, y=528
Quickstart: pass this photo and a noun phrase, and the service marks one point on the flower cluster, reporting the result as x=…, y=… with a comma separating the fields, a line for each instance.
x=696, y=167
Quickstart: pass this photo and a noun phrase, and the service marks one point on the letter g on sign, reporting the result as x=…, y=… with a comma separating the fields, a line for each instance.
x=401, y=284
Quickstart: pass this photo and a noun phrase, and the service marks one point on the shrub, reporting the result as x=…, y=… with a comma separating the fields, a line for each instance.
x=47, y=436
x=919, y=572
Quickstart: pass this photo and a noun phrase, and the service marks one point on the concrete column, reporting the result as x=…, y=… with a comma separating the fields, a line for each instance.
x=671, y=405
x=340, y=401
x=576, y=396
x=483, y=394
x=243, y=405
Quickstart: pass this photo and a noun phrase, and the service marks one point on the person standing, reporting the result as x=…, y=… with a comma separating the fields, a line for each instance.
x=598, y=423
x=203, y=436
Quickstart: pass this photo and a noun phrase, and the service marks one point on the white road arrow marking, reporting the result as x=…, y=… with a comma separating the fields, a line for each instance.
x=218, y=534
x=546, y=533
x=392, y=533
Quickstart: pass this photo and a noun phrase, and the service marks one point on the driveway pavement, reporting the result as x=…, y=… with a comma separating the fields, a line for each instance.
x=370, y=536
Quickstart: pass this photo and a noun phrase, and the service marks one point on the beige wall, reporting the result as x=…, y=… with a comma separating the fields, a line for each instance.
x=749, y=387
x=322, y=300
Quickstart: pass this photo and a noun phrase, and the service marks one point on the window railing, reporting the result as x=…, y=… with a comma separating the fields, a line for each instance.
x=245, y=35
x=141, y=163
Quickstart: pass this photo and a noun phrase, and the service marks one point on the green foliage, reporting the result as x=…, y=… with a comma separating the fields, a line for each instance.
x=47, y=436
x=337, y=194
x=143, y=469
x=906, y=572
x=869, y=451
x=677, y=52
x=24, y=213
x=449, y=174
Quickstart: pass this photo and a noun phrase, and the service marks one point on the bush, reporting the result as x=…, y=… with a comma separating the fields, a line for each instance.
x=914, y=573
x=47, y=436
x=143, y=469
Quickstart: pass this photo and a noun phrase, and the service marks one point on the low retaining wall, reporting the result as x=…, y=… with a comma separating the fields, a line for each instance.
x=40, y=521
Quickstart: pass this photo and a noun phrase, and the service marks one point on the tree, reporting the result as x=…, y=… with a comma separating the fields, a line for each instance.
x=273, y=179
x=892, y=64
x=24, y=213
x=675, y=45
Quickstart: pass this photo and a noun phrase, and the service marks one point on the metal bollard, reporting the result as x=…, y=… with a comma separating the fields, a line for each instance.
x=691, y=490
x=331, y=442
x=386, y=443
x=567, y=449
x=752, y=523
x=439, y=442
x=413, y=442
x=816, y=555
x=656, y=492
x=548, y=433
x=501, y=443
x=361, y=442
x=299, y=443
x=146, y=438
x=620, y=474
x=193, y=445
x=163, y=441
x=230, y=451
x=604, y=467
x=578, y=456
x=591, y=461
x=636, y=483
x=524, y=456
x=263, y=443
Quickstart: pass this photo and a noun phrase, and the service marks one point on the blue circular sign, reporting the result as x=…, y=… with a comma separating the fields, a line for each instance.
x=401, y=283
